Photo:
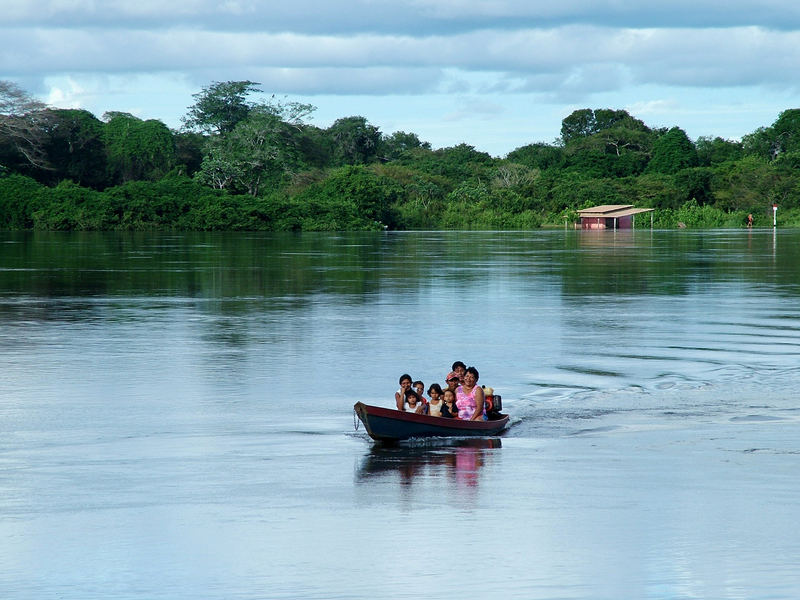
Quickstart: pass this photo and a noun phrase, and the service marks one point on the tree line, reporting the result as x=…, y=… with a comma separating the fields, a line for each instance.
x=239, y=162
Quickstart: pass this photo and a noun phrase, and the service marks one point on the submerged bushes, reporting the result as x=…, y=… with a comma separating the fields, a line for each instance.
x=172, y=203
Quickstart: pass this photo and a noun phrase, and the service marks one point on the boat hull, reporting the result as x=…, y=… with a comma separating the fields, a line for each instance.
x=391, y=425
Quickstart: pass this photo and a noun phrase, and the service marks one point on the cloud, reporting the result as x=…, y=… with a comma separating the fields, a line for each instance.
x=565, y=61
x=653, y=107
x=349, y=81
x=66, y=94
x=409, y=17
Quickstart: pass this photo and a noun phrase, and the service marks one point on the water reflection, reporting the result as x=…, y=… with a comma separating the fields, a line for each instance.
x=237, y=274
x=459, y=460
x=614, y=239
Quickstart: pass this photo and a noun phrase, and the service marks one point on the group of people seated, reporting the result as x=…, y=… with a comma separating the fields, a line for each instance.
x=462, y=397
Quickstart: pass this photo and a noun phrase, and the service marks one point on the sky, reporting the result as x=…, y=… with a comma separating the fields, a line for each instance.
x=495, y=74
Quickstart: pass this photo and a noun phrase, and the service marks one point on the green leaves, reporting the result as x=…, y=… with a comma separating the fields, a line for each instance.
x=252, y=144
x=355, y=141
x=136, y=149
x=219, y=107
x=672, y=152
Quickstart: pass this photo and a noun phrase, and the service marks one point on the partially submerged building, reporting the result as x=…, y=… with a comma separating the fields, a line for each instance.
x=612, y=216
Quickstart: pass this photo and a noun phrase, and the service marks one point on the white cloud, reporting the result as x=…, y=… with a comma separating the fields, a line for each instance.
x=651, y=107
x=572, y=58
x=66, y=94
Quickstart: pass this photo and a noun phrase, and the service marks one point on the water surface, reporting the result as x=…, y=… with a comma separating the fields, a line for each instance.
x=175, y=415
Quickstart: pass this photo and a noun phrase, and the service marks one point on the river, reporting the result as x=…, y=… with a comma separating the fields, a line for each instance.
x=176, y=415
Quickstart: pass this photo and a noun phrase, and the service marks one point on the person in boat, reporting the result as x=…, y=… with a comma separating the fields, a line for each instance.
x=452, y=381
x=470, y=398
x=449, y=408
x=419, y=387
x=435, y=402
x=400, y=395
x=413, y=403
x=459, y=368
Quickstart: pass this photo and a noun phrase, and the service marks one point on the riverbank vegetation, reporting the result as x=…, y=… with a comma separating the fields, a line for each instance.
x=244, y=164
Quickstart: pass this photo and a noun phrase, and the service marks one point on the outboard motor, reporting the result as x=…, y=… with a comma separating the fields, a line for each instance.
x=494, y=403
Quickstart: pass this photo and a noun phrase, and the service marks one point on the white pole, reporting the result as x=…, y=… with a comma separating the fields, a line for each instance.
x=774, y=215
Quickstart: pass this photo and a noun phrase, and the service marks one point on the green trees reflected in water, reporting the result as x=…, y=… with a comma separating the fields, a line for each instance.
x=270, y=272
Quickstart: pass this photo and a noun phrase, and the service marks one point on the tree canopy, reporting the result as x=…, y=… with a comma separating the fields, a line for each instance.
x=244, y=160
x=219, y=107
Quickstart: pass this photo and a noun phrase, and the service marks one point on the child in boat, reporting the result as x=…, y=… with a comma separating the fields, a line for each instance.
x=419, y=387
x=452, y=381
x=435, y=402
x=449, y=408
x=400, y=395
x=413, y=403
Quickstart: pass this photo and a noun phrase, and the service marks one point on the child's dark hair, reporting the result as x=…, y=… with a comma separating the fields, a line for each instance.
x=435, y=387
x=411, y=392
x=457, y=364
x=404, y=376
x=418, y=383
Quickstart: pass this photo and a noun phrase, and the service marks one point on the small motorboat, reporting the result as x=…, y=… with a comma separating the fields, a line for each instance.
x=391, y=425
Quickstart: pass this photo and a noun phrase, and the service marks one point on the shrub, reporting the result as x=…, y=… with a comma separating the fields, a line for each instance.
x=20, y=197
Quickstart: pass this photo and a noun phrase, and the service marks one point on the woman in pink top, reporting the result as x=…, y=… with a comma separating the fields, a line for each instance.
x=469, y=397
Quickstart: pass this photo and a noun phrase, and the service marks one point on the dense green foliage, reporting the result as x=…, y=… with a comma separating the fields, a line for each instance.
x=245, y=164
x=137, y=150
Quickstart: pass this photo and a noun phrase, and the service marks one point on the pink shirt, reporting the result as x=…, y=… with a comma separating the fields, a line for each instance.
x=466, y=402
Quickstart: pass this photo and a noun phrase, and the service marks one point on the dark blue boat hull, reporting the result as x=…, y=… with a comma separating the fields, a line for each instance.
x=385, y=424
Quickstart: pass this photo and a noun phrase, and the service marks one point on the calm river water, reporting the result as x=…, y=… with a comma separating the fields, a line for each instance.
x=176, y=416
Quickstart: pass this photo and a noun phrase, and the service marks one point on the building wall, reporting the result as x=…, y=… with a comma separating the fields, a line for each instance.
x=606, y=223
x=593, y=223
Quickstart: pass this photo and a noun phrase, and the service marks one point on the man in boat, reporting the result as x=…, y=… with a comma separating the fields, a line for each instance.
x=459, y=368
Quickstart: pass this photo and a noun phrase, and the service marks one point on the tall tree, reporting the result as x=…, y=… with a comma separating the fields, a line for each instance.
x=219, y=107
x=539, y=156
x=261, y=149
x=189, y=150
x=587, y=122
x=715, y=150
x=355, y=140
x=22, y=125
x=137, y=149
x=672, y=152
x=578, y=124
x=782, y=136
x=75, y=148
x=393, y=146
x=787, y=130
x=763, y=142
